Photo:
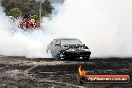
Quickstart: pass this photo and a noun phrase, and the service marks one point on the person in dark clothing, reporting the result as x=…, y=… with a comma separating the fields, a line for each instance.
x=26, y=16
x=26, y=19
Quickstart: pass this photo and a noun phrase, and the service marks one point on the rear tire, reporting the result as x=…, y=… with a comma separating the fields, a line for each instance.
x=57, y=57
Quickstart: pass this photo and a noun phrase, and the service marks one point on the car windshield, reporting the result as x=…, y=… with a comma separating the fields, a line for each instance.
x=70, y=41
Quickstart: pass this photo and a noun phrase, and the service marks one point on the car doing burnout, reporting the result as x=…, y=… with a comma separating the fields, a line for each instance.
x=62, y=48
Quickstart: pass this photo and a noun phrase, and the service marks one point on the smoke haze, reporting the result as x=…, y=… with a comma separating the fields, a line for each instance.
x=103, y=25
x=16, y=42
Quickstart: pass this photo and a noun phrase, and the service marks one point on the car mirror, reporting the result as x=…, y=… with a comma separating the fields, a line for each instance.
x=57, y=44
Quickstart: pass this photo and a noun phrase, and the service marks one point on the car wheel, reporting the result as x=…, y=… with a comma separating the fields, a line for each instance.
x=59, y=57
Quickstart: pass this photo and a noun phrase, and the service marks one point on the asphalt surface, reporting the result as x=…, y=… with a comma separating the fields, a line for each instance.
x=21, y=72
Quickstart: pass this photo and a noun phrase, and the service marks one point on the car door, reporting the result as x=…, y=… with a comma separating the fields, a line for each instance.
x=57, y=47
x=51, y=47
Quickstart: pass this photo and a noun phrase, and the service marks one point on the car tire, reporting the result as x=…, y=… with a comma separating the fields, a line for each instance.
x=57, y=57
x=61, y=58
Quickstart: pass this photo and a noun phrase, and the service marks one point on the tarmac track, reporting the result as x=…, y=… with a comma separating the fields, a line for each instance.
x=21, y=72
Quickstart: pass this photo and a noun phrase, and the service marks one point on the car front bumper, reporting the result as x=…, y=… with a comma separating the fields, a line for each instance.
x=75, y=54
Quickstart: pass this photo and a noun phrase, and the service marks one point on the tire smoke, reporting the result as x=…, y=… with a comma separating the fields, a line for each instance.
x=103, y=25
x=17, y=42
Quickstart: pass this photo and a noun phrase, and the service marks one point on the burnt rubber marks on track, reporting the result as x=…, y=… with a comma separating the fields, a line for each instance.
x=32, y=73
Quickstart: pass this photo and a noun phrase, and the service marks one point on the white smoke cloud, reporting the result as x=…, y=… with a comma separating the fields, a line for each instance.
x=15, y=42
x=104, y=25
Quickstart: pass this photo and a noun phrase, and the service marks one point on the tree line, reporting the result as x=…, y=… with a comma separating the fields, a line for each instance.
x=17, y=8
